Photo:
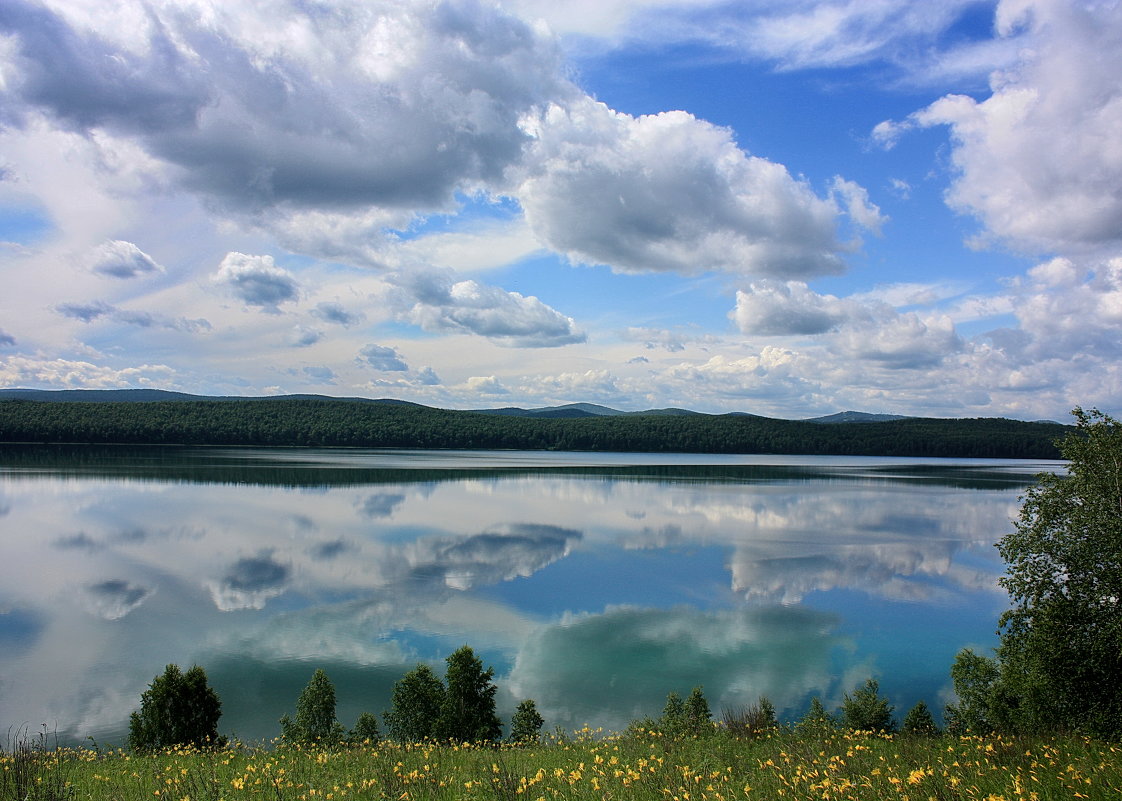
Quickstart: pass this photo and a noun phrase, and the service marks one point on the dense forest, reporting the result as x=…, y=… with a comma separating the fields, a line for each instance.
x=356, y=423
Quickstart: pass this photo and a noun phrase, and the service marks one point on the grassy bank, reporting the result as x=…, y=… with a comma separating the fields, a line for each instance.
x=779, y=766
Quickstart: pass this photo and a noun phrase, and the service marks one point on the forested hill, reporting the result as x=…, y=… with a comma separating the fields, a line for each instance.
x=356, y=423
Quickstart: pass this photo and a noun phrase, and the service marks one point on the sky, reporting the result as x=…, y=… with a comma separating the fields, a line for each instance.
x=783, y=207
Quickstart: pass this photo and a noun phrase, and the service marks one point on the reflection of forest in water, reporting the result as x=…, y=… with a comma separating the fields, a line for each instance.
x=594, y=586
x=290, y=467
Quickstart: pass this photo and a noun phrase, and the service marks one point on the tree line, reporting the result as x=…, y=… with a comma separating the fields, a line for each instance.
x=352, y=423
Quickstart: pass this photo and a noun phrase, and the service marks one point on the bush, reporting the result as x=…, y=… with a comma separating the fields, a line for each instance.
x=177, y=709
x=750, y=721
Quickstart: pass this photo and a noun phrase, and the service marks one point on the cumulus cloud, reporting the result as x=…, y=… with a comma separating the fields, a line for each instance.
x=257, y=281
x=119, y=259
x=6, y=339
x=507, y=318
x=383, y=358
x=670, y=192
x=22, y=371
x=1038, y=161
x=362, y=104
x=778, y=308
x=485, y=385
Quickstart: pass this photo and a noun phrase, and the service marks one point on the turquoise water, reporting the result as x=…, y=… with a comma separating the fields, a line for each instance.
x=593, y=583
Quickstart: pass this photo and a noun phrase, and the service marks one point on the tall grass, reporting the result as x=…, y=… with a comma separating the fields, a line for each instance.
x=642, y=766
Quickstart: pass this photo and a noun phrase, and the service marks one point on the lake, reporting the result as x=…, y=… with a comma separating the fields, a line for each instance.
x=593, y=583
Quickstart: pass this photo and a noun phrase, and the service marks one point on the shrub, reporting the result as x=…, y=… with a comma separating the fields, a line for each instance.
x=752, y=720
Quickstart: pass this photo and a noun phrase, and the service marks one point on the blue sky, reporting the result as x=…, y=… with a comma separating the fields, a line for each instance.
x=786, y=208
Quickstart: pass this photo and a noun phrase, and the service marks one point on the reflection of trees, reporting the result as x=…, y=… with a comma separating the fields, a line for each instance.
x=296, y=467
x=610, y=668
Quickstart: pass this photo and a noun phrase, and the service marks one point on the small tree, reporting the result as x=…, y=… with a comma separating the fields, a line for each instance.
x=817, y=720
x=975, y=680
x=315, y=714
x=526, y=724
x=673, y=719
x=919, y=721
x=415, y=706
x=467, y=714
x=865, y=710
x=177, y=709
x=699, y=718
x=366, y=729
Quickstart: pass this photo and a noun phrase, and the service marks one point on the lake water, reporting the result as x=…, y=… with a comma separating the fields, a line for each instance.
x=593, y=583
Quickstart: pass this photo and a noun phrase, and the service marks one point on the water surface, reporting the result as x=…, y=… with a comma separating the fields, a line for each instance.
x=593, y=583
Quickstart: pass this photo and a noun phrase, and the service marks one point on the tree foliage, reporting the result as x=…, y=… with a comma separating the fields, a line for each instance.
x=866, y=710
x=467, y=713
x=315, y=719
x=1061, y=643
x=177, y=709
x=356, y=423
x=366, y=729
x=919, y=721
x=415, y=706
x=816, y=720
x=526, y=723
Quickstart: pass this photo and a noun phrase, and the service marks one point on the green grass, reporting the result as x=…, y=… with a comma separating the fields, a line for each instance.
x=646, y=766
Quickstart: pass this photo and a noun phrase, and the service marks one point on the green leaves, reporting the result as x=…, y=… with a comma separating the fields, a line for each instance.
x=1061, y=663
x=315, y=714
x=177, y=709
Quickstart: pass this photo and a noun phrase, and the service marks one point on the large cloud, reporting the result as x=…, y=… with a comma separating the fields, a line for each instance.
x=669, y=192
x=359, y=103
x=1039, y=161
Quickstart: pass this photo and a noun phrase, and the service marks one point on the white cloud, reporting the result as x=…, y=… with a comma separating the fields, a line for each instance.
x=670, y=192
x=257, y=281
x=1038, y=162
x=780, y=308
x=509, y=318
x=22, y=371
x=485, y=385
x=360, y=104
x=120, y=259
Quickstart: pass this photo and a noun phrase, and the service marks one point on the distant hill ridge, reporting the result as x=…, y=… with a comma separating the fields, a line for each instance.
x=155, y=417
x=569, y=410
